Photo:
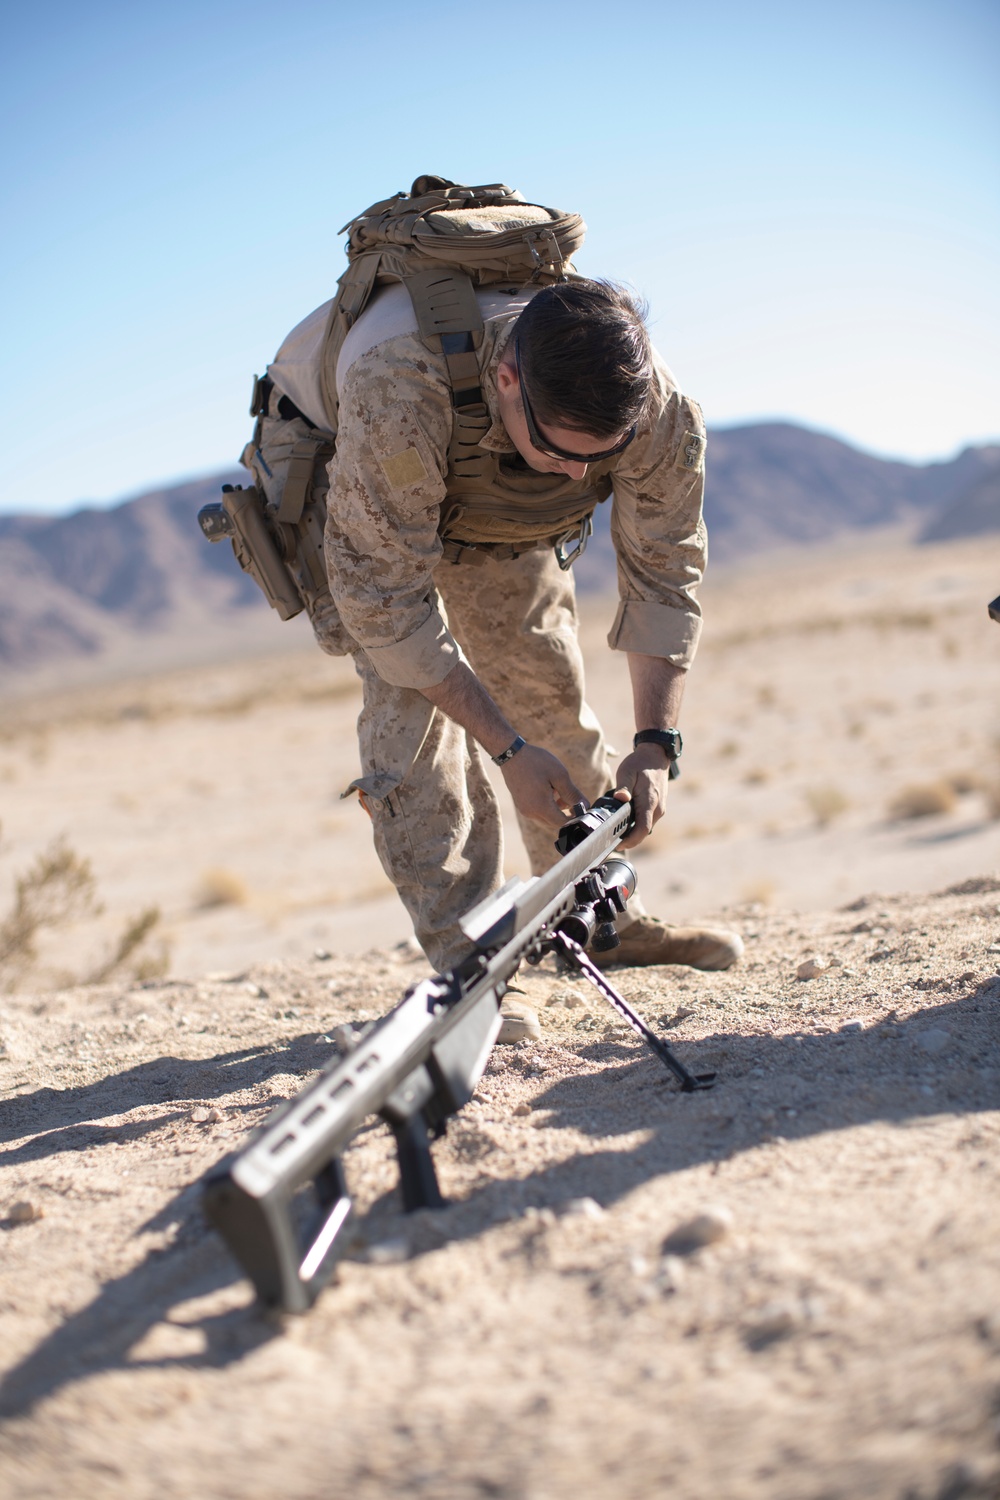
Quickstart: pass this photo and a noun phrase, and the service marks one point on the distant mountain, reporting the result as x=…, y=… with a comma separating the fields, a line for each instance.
x=772, y=484
x=976, y=512
x=135, y=581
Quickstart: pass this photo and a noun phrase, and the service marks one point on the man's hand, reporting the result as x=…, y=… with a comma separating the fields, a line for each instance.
x=643, y=776
x=541, y=786
x=539, y=783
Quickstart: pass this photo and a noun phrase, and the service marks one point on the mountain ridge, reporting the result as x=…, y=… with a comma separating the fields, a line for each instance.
x=75, y=587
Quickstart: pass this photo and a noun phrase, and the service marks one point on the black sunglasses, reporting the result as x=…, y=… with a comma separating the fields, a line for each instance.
x=539, y=443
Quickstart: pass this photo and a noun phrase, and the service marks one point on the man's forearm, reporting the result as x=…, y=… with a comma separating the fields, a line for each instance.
x=657, y=691
x=463, y=698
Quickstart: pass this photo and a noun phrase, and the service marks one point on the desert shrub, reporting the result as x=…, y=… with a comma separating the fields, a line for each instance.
x=57, y=889
x=825, y=803
x=758, y=892
x=218, y=887
x=127, y=955
x=923, y=800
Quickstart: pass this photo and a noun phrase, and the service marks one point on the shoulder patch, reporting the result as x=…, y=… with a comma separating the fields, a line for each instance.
x=692, y=449
x=403, y=468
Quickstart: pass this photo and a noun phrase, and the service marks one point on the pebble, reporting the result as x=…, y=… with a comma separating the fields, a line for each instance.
x=572, y=999
x=673, y=1273
x=25, y=1213
x=387, y=1253
x=812, y=968
x=993, y=948
x=583, y=1208
x=694, y=1234
x=321, y=955
x=853, y=1026
x=256, y=990
x=203, y=1115
x=934, y=1040
x=778, y=1320
x=522, y=1109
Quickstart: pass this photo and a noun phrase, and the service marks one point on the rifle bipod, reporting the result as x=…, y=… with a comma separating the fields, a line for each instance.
x=570, y=950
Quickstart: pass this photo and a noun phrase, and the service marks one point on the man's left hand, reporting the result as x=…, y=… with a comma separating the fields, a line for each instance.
x=643, y=776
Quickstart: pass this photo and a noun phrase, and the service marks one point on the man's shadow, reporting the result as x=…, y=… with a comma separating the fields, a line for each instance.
x=764, y=1087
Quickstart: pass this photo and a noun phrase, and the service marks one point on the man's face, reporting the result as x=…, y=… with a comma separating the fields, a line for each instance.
x=570, y=439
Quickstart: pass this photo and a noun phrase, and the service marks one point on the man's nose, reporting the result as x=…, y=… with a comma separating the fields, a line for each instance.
x=572, y=470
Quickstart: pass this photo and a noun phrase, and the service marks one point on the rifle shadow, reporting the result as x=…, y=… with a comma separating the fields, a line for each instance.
x=72, y=1117
x=767, y=1085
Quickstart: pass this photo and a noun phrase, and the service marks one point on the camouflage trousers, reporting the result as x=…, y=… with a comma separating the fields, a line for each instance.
x=434, y=813
x=423, y=780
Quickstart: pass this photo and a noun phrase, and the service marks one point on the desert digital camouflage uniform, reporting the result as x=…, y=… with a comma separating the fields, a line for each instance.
x=407, y=615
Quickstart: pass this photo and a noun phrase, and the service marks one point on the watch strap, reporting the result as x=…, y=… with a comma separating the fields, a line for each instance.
x=511, y=750
x=669, y=740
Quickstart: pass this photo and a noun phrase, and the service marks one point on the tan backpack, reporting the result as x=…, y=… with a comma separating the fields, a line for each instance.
x=441, y=240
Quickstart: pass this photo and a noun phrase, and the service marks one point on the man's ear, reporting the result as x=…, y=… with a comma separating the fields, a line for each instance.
x=506, y=376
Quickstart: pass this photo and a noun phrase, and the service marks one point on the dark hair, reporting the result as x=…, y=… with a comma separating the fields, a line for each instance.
x=585, y=357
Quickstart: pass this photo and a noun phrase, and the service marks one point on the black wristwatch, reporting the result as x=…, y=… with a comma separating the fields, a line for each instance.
x=669, y=740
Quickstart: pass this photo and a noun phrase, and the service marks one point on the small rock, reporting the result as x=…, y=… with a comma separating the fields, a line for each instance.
x=522, y=1109
x=225, y=976
x=256, y=990
x=694, y=1234
x=673, y=1273
x=321, y=955
x=572, y=999
x=583, y=1208
x=778, y=1320
x=853, y=1026
x=993, y=948
x=200, y=1115
x=812, y=968
x=934, y=1040
x=215, y=1116
x=519, y=1024
x=388, y=1252
x=25, y=1213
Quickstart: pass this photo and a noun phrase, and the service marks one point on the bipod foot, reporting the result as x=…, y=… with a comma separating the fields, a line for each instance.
x=577, y=959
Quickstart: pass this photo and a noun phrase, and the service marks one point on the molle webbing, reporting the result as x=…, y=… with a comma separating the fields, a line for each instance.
x=481, y=236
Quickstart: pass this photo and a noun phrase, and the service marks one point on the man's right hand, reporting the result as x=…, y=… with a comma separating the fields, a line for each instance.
x=541, y=786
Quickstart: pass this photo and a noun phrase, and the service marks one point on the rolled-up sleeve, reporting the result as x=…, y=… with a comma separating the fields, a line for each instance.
x=659, y=532
x=387, y=482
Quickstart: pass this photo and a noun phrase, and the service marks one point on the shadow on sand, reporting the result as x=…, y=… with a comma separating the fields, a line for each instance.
x=767, y=1085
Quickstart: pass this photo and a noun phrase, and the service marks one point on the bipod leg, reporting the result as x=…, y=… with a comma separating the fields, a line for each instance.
x=574, y=954
x=416, y=1165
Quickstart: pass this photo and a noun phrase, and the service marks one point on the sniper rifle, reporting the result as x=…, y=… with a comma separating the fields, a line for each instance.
x=281, y=1201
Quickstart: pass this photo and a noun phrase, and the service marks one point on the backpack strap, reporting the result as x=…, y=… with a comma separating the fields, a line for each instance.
x=450, y=322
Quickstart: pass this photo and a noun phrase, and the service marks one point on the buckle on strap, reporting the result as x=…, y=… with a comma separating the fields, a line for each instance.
x=566, y=553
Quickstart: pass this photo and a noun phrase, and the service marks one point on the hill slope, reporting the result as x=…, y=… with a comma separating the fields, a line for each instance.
x=99, y=587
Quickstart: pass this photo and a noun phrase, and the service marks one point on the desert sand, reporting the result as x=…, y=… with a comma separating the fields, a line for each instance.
x=551, y=1334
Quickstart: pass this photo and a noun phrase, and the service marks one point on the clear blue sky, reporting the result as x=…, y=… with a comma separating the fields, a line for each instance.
x=808, y=194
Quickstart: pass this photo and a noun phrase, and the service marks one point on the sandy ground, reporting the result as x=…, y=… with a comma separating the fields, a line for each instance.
x=840, y=1338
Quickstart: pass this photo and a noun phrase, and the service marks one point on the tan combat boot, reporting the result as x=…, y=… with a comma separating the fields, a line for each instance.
x=647, y=940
